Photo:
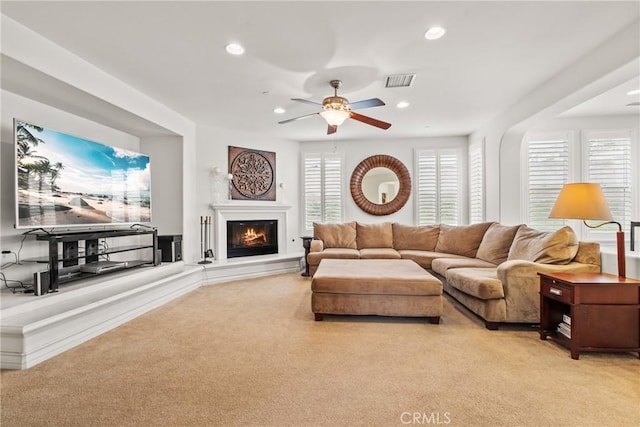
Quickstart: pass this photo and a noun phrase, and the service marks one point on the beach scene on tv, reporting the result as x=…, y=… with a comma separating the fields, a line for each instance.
x=64, y=180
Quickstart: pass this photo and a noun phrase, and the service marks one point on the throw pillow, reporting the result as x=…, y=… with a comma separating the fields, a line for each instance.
x=374, y=235
x=336, y=235
x=496, y=243
x=418, y=238
x=554, y=247
x=461, y=240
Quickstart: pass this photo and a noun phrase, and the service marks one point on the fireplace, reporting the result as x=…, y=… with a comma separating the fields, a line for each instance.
x=248, y=238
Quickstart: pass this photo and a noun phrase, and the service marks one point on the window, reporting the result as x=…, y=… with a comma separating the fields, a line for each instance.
x=476, y=182
x=604, y=157
x=607, y=161
x=547, y=167
x=322, y=188
x=438, y=186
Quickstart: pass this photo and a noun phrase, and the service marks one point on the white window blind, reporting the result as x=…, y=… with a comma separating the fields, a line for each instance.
x=438, y=188
x=547, y=171
x=476, y=183
x=608, y=162
x=322, y=188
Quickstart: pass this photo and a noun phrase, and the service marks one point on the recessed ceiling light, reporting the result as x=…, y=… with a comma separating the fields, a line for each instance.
x=634, y=92
x=234, y=49
x=402, y=104
x=434, y=33
x=279, y=110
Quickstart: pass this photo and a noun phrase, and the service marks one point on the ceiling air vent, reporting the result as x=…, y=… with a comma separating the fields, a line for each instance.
x=399, y=80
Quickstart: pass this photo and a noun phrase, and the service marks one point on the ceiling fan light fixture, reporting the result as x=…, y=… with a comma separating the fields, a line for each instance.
x=334, y=117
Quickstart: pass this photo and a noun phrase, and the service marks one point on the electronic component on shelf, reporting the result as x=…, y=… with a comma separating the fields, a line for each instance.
x=103, y=266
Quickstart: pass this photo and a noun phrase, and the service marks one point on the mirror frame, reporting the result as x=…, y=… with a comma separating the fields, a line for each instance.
x=381, y=161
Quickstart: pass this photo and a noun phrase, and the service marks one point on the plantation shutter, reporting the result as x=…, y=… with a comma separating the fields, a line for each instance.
x=427, y=188
x=312, y=189
x=449, y=173
x=438, y=187
x=548, y=171
x=476, y=183
x=332, y=188
x=608, y=160
x=322, y=188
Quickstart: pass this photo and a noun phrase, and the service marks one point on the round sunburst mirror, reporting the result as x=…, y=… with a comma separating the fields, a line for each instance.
x=380, y=185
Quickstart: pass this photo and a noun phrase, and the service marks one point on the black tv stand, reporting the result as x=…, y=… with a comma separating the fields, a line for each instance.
x=68, y=249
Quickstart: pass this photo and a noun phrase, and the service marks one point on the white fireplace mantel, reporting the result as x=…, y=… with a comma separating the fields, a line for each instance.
x=247, y=211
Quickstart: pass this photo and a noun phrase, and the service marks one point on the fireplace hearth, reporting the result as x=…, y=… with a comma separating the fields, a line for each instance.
x=249, y=238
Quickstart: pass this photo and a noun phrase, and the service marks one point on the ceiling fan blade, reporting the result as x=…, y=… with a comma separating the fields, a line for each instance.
x=298, y=118
x=306, y=101
x=367, y=103
x=331, y=129
x=370, y=121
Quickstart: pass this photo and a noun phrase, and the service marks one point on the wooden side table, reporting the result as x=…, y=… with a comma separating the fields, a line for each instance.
x=604, y=311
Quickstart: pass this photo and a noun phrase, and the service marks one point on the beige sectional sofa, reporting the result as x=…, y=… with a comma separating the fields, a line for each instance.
x=490, y=268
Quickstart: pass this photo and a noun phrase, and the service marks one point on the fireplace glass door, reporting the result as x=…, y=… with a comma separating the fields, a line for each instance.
x=249, y=238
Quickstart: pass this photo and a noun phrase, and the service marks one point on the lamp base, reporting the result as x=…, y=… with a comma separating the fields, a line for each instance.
x=621, y=258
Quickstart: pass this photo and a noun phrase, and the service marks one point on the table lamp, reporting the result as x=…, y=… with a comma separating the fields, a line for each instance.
x=586, y=201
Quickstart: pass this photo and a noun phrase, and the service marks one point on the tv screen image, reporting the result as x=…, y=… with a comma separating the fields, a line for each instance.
x=63, y=180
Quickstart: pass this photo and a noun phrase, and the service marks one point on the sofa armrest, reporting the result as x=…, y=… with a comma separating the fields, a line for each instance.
x=316, y=246
x=521, y=285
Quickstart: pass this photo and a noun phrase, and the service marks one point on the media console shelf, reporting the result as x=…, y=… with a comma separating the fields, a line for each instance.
x=67, y=250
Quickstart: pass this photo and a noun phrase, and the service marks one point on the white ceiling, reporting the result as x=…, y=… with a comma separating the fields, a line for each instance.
x=494, y=54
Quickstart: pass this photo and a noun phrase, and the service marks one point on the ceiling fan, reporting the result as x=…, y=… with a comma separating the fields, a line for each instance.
x=336, y=109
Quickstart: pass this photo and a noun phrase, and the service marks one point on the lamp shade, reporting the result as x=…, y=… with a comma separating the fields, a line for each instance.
x=334, y=117
x=581, y=200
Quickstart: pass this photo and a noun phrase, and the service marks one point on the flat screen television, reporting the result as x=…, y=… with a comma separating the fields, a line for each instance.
x=62, y=180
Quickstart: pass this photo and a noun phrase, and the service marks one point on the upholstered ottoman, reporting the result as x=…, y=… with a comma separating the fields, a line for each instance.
x=382, y=287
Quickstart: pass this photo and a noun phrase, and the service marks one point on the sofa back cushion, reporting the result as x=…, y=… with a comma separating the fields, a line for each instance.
x=461, y=240
x=374, y=235
x=336, y=235
x=419, y=238
x=553, y=247
x=496, y=243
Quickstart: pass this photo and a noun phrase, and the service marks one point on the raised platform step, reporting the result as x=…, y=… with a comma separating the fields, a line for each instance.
x=36, y=328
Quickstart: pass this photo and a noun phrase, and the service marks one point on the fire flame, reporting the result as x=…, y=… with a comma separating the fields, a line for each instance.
x=253, y=238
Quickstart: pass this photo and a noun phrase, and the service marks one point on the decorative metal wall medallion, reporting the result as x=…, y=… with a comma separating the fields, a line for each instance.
x=253, y=174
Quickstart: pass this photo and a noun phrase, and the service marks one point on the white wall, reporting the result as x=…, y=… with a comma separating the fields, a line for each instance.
x=213, y=151
x=167, y=182
x=403, y=150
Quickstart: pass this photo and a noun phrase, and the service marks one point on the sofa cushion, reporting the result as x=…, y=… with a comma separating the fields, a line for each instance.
x=441, y=265
x=424, y=258
x=461, y=240
x=553, y=247
x=379, y=253
x=496, y=243
x=374, y=235
x=421, y=238
x=482, y=283
x=336, y=235
x=314, y=258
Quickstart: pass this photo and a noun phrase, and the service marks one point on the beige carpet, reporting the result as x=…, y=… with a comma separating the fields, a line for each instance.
x=249, y=353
